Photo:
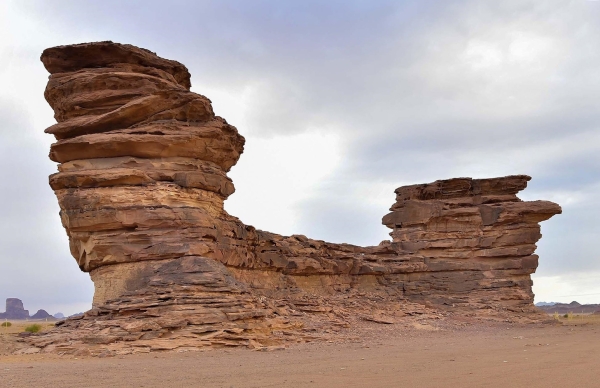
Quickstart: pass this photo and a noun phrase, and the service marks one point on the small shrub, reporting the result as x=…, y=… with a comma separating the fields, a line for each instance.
x=566, y=315
x=33, y=328
x=6, y=324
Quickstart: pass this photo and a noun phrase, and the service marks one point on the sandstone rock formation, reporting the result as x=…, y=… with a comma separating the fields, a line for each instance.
x=143, y=165
x=14, y=310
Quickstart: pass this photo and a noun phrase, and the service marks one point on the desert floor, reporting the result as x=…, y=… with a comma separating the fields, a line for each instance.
x=472, y=355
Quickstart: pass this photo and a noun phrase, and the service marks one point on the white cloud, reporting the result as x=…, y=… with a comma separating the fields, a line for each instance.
x=276, y=173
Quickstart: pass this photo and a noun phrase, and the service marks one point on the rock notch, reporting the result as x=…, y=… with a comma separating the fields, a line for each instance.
x=141, y=181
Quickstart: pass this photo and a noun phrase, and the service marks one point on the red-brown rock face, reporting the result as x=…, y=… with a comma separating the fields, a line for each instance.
x=141, y=184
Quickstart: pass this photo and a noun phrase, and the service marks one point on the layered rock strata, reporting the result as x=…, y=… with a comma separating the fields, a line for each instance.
x=143, y=165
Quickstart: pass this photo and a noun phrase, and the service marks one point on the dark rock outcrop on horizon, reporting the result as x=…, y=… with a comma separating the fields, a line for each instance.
x=14, y=310
x=573, y=307
x=141, y=182
x=42, y=314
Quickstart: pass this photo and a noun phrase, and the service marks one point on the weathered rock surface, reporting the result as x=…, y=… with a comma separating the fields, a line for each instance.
x=14, y=310
x=141, y=184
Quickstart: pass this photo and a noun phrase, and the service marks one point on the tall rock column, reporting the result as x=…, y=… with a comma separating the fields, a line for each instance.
x=143, y=161
x=141, y=184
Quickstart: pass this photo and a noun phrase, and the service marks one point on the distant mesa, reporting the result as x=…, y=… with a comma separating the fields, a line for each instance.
x=141, y=184
x=14, y=310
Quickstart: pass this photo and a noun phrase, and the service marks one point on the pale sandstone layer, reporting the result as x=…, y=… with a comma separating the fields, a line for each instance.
x=141, y=184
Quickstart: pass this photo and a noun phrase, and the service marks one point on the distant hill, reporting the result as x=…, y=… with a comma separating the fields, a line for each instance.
x=573, y=307
x=59, y=315
x=42, y=314
x=541, y=304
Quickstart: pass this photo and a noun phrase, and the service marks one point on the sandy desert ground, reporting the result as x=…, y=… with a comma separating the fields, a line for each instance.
x=463, y=355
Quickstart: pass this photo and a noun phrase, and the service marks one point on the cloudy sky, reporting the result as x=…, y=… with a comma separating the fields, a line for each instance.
x=340, y=103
